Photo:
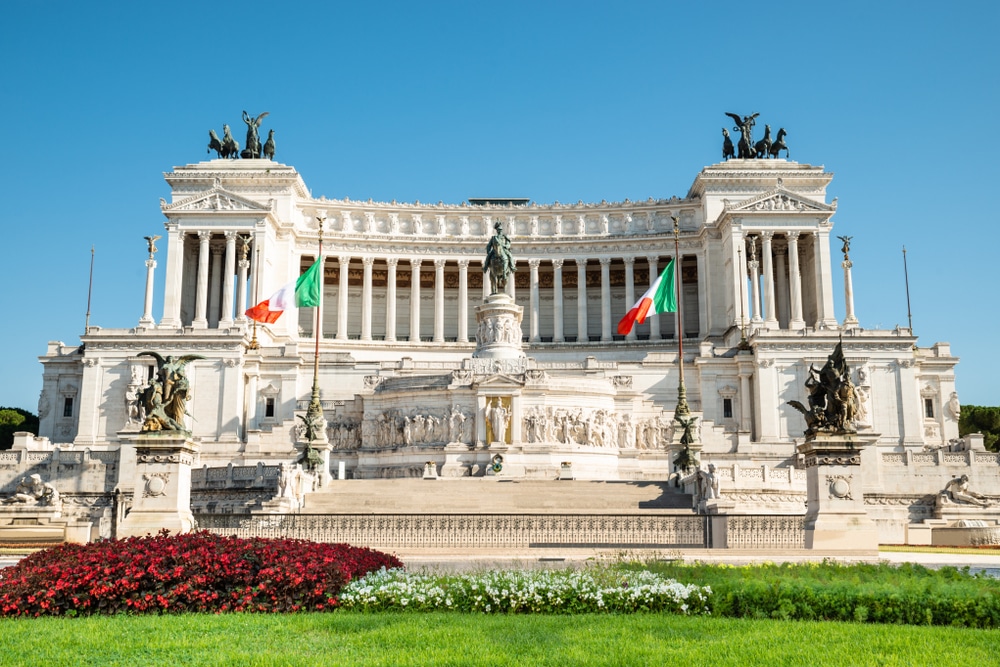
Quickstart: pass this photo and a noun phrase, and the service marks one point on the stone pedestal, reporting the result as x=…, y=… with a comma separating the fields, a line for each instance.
x=458, y=460
x=323, y=447
x=499, y=332
x=162, y=496
x=835, y=507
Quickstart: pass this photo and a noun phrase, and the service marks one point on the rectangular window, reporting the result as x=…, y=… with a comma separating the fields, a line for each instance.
x=68, y=406
x=727, y=408
x=929, y=408
x=268, y=407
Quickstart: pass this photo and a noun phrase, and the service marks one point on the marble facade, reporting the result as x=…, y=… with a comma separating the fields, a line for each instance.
x=402, y=383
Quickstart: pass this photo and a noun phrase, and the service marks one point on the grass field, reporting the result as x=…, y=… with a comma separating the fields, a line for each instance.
x=348, y=638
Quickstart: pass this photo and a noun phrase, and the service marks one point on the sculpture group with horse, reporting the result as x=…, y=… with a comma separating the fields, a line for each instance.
x=747, y=148
x=228, y=148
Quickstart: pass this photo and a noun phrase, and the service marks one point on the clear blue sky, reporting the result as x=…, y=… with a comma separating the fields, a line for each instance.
x=548, y=100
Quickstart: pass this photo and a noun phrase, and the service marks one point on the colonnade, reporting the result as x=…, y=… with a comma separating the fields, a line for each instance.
x=210, y=292
x=431, y=299
x=784, y=303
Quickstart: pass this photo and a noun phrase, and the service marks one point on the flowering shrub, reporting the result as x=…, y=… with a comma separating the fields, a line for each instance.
x=592, y=590
x=191, y=572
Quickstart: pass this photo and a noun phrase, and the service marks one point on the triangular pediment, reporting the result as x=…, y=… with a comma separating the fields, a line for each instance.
x=780, y=200
x=500, y=381
x=216, y=199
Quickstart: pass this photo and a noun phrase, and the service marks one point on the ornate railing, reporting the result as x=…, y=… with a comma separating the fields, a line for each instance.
x=766, y=532
x=472, y=531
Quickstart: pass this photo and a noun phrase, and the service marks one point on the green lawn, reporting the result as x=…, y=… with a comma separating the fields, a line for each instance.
x=349, y=638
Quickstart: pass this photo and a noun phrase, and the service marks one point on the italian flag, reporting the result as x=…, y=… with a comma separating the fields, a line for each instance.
x=659, y=298
x=303, y=293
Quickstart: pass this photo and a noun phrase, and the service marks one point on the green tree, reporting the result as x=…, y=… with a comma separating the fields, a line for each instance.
x=13, y=420
x=981, y=419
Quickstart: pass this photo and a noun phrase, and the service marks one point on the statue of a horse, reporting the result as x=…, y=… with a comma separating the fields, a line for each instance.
x=230, y=147
x=728, y=151
x=499, y=260
x=268, y=150
x=763, y=147
x=779, y=144
x=214, y=143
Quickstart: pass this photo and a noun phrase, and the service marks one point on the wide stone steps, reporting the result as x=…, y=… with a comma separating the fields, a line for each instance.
x=496, y=496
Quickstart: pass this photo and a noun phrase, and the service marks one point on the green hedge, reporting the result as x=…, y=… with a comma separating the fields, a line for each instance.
x=883, y=593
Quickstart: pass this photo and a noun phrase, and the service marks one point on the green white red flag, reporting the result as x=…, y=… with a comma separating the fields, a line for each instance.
x=303, y=293
x=661, y=297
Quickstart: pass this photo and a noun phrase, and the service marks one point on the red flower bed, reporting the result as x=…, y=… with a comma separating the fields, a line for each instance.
x=176, y=573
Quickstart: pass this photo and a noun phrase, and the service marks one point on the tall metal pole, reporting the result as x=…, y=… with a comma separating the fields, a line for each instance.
x=682, y=405
x=90, y=290
x=314, y=413
x=909, y=317
x=254, y=344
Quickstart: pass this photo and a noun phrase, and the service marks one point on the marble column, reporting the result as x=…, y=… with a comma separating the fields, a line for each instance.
x=745, y=407
x=512, y=285
x=366, y=299
x=850, y=320
x=390, y=298
x=463, y=301
x=770, y=316
x=215, y=286
x=201, y=296
x=654, y=273
x=486, y=281
x=795, y=278
x=581, y=301
x=782, y=303
x=754, y=267
x=344, y=263
x=557, y=302
x=172, y=285
x=704, y=295
x=147, y=311
x=630, y=290
x=439, y=300
x=226, y=320
x=241, y=290
x=415, y=300
x=824, y=279
x=606, y=299
x=534, y=336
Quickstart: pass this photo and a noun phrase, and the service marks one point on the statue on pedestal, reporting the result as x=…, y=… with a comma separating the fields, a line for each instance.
x=165, y=398
x=744, y=125
x=499, y=260
x=253, y=138
x=833, y=399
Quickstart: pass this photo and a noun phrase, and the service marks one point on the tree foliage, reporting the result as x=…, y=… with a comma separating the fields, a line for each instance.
x=13, y=420
x=981, y=419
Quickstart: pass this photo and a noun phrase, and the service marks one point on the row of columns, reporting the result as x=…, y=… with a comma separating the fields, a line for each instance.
x=772, y=266
x=416, y=265
x=216, y=276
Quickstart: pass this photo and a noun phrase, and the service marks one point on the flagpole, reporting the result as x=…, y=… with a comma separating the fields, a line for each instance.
x=254, y=344
x=314, y=413
x=906, y=274
x=90, y=290
x=682, y=405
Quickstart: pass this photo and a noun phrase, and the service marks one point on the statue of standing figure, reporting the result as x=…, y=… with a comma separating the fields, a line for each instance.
x=744, y=125
x=498, y=417
x=499, y=260
x=253, y=137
